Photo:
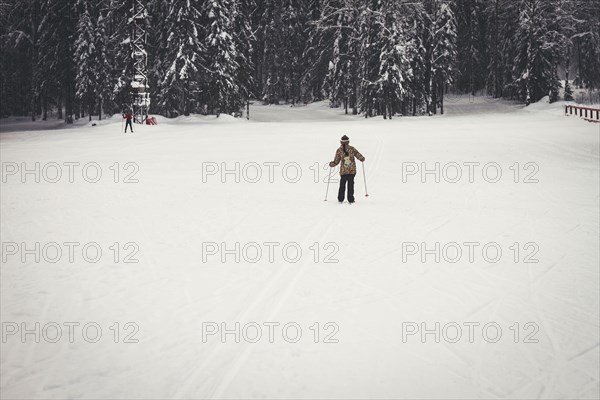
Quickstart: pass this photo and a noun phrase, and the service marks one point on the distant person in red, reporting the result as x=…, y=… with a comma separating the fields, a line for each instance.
x=129, y=117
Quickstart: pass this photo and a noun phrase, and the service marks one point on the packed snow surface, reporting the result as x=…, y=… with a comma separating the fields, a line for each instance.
x=518, y=320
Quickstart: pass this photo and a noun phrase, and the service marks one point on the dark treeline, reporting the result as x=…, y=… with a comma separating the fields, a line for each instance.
x=72, y=58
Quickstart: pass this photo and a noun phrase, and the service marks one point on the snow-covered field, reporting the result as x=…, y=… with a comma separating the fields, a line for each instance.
x=523, y=323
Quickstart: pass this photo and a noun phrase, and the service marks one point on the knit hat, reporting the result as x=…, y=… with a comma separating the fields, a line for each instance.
x=345, y=140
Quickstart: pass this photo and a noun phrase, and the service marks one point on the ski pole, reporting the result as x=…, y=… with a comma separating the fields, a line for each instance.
x=365, y=177
x=122, y=131
x=328, y=180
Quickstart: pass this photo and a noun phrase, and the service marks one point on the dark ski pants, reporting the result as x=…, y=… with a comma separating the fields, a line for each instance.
x=349, y=179
x=128, y=124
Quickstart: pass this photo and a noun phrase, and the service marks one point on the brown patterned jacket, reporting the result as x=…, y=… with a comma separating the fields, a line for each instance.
x=348, y=162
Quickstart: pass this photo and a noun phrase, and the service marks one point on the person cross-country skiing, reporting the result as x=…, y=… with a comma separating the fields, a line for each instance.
x=129, y=117
x=346, y=154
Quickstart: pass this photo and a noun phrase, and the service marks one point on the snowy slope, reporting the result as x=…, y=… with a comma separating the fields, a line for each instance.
x=371, y=295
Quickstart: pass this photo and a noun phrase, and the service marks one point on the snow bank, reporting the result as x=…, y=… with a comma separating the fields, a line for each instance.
x=199, y=119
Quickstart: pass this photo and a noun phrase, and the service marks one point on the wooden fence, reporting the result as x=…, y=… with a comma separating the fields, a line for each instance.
x=587, y=113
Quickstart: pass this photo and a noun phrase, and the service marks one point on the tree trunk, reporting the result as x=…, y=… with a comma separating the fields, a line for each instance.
x=293, y=85
x=44, y=106
x=34, y=59
x=498, y=82
x=442, y=96
x=60, y=104
x=434, y=97
x=32, y=104
x=568, y=65
x=579, y=80
x=90, y=108
x=68, y=101
x=354, y=100
x=68, y=64
x=186, y=110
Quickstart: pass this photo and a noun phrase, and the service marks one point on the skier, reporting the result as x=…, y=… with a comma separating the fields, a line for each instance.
x=128, y=116
x=346, y=154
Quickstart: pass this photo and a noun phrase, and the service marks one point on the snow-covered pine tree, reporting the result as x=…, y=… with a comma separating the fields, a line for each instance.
x=555, y=44
x=245, y=43
x=56, y=42
x=338, y=74
x=534, y=71
x=443, y=53
x=19, y=67
x=429, y=20
x=417, y=54
x=394, y=68
x=354, y=45
x=332, y=84
x=503, y=17
x=293, y=40
x=354, y=50
x=183, y=44
x=104, y=68
x=565, y=26
x=587, y=40
x=440, y=49
x=316, y=51
x=271, y=63
x=86, y=55
x=371, y=21
x=116, y=33
x=494, y=78
x=222, y=58
x=472, y=52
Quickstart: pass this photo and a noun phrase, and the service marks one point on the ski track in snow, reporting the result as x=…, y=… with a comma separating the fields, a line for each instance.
x=230, y=374
x=243, y=316
x=369, y=293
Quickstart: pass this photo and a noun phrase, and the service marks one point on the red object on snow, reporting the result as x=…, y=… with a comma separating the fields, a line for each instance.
x=128, y=116
x=151, y=121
